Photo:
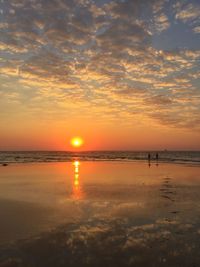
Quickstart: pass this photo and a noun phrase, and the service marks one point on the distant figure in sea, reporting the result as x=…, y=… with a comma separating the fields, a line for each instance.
x=157, y=156
x=149, y=159
x=157, y=159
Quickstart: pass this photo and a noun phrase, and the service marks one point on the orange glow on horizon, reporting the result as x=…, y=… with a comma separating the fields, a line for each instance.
x=76, y=142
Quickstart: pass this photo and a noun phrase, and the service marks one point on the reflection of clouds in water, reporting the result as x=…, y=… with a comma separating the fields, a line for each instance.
x=86, y=233
x=114, y=242
x=126, y=209
x=151, y=241
x=119, y=225
x=166, y=222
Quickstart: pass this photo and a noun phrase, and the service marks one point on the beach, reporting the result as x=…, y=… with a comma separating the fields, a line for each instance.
x=105, y=213
x=100, y=133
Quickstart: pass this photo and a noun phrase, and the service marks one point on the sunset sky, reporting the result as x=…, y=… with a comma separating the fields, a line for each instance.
x=120, y=74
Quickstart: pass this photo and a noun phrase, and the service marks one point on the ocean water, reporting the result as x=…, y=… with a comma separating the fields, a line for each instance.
x=62, y=156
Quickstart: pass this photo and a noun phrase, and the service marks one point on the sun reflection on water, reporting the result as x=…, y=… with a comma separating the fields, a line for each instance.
x=76, y=190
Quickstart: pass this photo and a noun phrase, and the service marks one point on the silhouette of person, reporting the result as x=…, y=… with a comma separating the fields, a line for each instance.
x=157, y=159
x=149, y=159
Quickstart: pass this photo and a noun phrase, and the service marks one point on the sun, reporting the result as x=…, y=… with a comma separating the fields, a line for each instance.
x=77, y=142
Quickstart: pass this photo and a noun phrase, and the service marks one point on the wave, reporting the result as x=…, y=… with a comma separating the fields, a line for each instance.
x=62, y=156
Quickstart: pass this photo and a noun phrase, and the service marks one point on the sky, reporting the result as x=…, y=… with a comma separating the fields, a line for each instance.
x=122, y=74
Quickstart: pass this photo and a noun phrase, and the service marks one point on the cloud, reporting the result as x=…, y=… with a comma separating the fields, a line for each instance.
x=187, y=13
x=161, y=23
x=196, y=29
x=100, y=54
x=159, y=100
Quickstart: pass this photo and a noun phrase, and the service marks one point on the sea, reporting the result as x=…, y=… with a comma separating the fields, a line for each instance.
x=67, y=156
x=100, y=208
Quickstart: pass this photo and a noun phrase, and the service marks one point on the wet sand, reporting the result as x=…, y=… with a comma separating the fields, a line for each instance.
x=100, y=214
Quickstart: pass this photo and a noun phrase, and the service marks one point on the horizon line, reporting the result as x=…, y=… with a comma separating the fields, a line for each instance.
x=109, y=150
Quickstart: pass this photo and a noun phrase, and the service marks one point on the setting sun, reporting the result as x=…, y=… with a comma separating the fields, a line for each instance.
x=76, y=142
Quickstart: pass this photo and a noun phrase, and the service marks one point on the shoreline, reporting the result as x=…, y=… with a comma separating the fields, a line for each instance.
x=154, y=162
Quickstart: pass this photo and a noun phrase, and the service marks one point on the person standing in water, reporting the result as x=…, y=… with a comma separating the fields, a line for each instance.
x=149, y=159
x=157, y=156
x=156, y=159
